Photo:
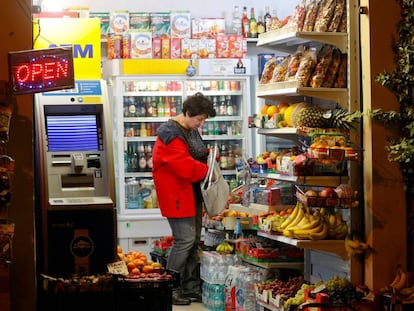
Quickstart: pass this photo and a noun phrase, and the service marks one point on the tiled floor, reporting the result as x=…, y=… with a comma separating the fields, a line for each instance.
x=194, y=306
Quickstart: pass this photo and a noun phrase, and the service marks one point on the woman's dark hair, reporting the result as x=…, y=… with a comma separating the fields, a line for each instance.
x=198, y=104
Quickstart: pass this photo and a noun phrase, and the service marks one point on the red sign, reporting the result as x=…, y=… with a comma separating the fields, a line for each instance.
x=37, y=71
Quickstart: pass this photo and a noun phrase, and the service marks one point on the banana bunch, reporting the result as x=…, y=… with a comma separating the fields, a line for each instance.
x=337, y=227
x=224, y=248
x=354, y=245
x=401, y=287
x=303, y=224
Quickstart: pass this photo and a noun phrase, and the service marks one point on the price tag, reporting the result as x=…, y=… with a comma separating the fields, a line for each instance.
x=118, y=267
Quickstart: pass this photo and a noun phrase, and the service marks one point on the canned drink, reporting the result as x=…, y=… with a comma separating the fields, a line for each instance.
x=227, y=85
x=234, y=85
x=221, y=85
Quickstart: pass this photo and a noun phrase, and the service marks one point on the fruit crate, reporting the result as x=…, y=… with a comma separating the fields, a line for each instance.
x=144, y=294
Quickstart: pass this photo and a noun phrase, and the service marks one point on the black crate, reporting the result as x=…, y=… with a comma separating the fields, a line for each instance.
x=149, y=295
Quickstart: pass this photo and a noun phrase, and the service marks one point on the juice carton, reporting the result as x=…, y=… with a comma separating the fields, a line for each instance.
x=180, y=24
x=175, y=48
x=141, y=44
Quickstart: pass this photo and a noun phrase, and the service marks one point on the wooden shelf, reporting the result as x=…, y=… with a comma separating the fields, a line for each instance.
x=287, y=38
x=331, y=246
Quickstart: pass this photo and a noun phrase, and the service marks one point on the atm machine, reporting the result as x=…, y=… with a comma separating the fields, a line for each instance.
x=76, y=213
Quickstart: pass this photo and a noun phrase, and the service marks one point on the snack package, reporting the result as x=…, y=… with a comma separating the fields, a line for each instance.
x=306, y=67
x=341, y=77
x=294, y=63
x=332, y=69
x=279, y=74
x=325, y=14
x=324, y=60
x=268, y=69
x=311, y=14
x=343, y=25
x=337, y=15
x=298, y=16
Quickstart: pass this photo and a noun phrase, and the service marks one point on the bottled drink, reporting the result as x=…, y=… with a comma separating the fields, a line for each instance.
x=223, y=157
x=237, y=26
x=142, y=161
x=149, y=157
x=229, y=106
x=178, y=105
x=160, y=107
x=275, y=23
x=131, y=193
x=132, y=159
x=245, y=23
x=154, y=107
x=252, y=24
x=267, y=20
x=173, y=108
x=215, y=105
x=167, y=108
x=260, y=26
x=140, y=107
x=126, y=107
x=143, y=130
x=132, y=109
x=222, y=109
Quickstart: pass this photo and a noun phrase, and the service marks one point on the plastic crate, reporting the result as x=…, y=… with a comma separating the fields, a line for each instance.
x=136, y=294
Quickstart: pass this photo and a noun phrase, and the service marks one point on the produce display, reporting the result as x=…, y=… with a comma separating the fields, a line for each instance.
x=139, y=266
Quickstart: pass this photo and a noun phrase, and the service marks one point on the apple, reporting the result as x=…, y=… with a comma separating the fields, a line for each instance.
x=311, y=193
x=327, y=193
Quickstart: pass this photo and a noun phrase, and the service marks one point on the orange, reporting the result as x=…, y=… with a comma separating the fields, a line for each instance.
x=147, y=269
x=135, y=271
x=138, y=262
x=130, y=266
x=119, y=249
x=272, y=110
x=264, y=109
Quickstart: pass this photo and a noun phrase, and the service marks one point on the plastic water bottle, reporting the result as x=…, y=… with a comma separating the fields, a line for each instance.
x=237, y=25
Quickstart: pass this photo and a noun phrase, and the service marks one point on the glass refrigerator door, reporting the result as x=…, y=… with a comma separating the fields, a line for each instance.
x=142, y=107
x=227, y=130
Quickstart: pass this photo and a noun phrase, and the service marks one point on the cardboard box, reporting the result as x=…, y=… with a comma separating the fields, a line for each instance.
x=207, y=48
x=104, y=22
x=139, y=20
x=141, y=44
x=180, y=24
x=119, y=22
x=160, y=24
x=189, y=48
x=207, y=27
x=156, y=48
x=175, y=48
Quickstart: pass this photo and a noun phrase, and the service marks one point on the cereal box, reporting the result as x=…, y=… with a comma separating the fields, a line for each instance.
x=189, y=48
x=104, y=22
x=237, y=46
x=180, y=24
x=119, y=22
x=222, y=46
x=156, y=47
x=207, y=27
x=175, y=48
x=160, y=24
x=207, y=48
x=165, y=48
x=139, y=20
x=141, y=44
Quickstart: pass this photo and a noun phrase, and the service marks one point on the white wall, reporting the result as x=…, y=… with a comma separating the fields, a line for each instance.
x=198, y=8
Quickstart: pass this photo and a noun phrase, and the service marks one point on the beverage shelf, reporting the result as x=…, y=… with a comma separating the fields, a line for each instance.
x=331, y=246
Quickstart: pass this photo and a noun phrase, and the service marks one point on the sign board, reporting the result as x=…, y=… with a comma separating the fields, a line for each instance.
x=83, y=35
x=35, y=71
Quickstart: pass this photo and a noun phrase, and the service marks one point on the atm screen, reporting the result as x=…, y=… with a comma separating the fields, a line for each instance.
x=72, y=132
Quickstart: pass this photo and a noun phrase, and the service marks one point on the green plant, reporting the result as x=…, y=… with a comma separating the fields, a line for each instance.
x=400, y=82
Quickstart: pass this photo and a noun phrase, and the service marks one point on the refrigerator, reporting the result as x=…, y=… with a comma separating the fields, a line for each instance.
x=140, y=104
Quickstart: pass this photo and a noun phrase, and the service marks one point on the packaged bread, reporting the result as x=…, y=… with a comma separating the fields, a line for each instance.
x=294, y=63
x=325, y=13
x=311, y=14
x=279, y=74
x=298, y=16
x=332, y=69
x=268, y=69
x=341, y=77
x=306, y=67
x=343, y=25
x=340, y=8
x=324, y=60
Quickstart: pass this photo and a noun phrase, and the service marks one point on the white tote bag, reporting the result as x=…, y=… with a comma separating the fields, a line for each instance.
x=214, y=187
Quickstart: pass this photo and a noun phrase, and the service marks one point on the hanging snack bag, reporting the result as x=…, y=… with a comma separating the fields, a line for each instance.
x=337, y=15
x=294, y=63
x=311, y=14
x=306, y=67
x=325, y=14
x=279, y=74
x=324, y=60
x=332, y=69
x=298, y=16
x=343, y=25
x=268, y=69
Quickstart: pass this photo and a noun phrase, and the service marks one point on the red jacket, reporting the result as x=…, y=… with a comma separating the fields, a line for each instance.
x=174, y=171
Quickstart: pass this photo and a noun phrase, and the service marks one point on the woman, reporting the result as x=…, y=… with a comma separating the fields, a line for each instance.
x=179, y=157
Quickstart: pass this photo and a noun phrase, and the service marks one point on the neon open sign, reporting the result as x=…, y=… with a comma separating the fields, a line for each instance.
x=36, y=71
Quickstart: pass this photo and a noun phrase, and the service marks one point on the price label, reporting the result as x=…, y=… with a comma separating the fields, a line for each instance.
x=118, y=267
